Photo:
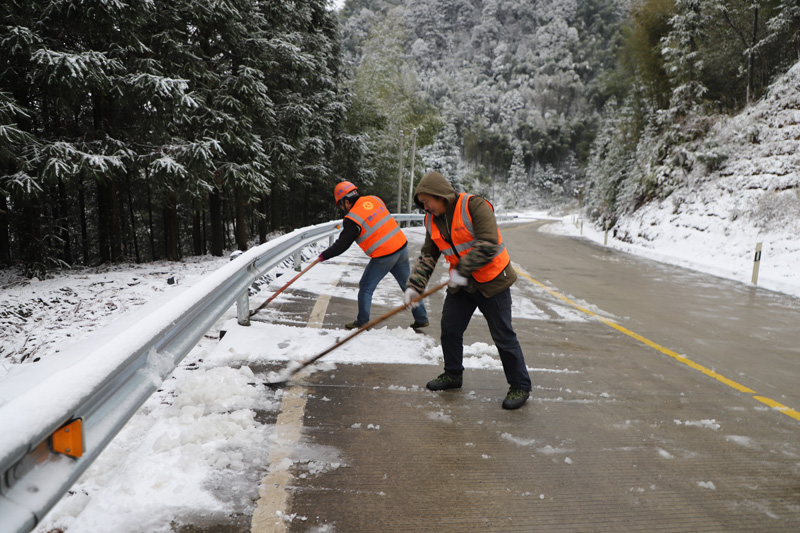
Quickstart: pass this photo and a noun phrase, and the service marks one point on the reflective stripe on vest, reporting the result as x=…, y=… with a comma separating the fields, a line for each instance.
x=380, y=234
x=462, y=234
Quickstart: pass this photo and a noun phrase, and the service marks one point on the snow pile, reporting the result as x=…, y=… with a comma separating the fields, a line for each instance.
x=194, y=440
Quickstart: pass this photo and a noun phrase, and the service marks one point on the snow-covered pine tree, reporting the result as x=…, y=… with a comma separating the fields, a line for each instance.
x=15, y=180
x=213, y=152
x=157, y=99
x=386, y=102
x=304, y=64
x=682, y=58
x=613, y=183
x=443, y=156
x=783, y=27
x=68, y=68
x=517, y=193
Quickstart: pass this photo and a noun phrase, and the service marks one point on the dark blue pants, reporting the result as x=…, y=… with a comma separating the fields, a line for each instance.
x=377, y=268
x=456, y=314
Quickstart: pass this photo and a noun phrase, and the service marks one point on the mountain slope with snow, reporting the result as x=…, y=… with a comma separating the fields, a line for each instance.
x=746, y=192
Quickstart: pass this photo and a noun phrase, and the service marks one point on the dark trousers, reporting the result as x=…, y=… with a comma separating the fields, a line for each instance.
x=377, y=268
x=456, y=314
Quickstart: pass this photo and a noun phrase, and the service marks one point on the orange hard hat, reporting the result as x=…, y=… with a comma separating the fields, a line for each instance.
x=343, y=189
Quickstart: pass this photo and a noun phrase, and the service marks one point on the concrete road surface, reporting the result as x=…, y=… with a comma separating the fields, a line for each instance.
x=663, y=400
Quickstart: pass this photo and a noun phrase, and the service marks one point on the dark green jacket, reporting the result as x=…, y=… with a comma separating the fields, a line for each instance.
x=485, y=226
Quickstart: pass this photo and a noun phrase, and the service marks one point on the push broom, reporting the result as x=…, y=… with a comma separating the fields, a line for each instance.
x=284, y=376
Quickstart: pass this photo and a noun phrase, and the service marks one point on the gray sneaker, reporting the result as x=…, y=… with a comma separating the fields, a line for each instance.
x=445, y=381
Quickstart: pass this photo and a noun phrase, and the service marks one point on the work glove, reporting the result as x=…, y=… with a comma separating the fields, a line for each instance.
x=408, y=298
x=456, y=279
x=321, y=259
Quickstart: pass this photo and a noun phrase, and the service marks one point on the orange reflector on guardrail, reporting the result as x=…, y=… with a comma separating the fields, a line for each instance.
x=69, y=439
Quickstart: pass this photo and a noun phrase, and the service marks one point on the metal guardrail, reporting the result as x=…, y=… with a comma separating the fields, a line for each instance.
x=103, y=380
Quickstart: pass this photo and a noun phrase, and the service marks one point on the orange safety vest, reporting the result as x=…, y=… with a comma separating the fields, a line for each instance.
x=462, y=237
x=380, y=235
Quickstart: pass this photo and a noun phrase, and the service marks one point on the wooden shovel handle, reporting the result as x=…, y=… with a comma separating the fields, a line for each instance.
x=306, y=269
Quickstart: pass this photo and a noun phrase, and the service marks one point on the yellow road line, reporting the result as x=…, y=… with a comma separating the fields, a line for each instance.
x=272, y=507
x=666, y=351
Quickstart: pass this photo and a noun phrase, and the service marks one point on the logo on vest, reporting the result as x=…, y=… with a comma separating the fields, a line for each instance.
x=368, y=205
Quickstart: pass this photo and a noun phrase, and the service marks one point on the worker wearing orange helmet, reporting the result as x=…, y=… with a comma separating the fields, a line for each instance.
x=368, y=222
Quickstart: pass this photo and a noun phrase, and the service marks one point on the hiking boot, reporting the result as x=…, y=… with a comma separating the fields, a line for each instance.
x=352, y=325
x=515, y=398
x=444, y=381
x=417, y=325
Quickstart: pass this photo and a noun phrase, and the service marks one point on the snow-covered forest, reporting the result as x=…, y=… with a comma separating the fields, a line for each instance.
x=144, y=130
x=542, y=102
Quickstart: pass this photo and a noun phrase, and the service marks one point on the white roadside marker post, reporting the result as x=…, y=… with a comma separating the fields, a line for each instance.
x=756, y=263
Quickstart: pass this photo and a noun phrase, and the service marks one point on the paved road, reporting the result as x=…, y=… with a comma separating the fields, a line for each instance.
x=664, y=400
x=749, y=335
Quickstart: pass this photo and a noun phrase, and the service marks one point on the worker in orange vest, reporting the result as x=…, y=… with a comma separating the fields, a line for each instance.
x=463, y=228
x=368, y=222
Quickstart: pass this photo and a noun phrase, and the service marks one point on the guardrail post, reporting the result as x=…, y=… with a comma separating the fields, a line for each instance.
x=243, y=301
x=243, y=308
x=298, y=260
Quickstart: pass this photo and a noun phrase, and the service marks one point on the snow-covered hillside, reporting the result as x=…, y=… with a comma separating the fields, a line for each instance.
x=39, y=317
x=750, y=194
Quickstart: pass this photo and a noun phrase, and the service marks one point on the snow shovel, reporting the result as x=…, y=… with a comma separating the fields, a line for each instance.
x=306, y=269
x=296, y=366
